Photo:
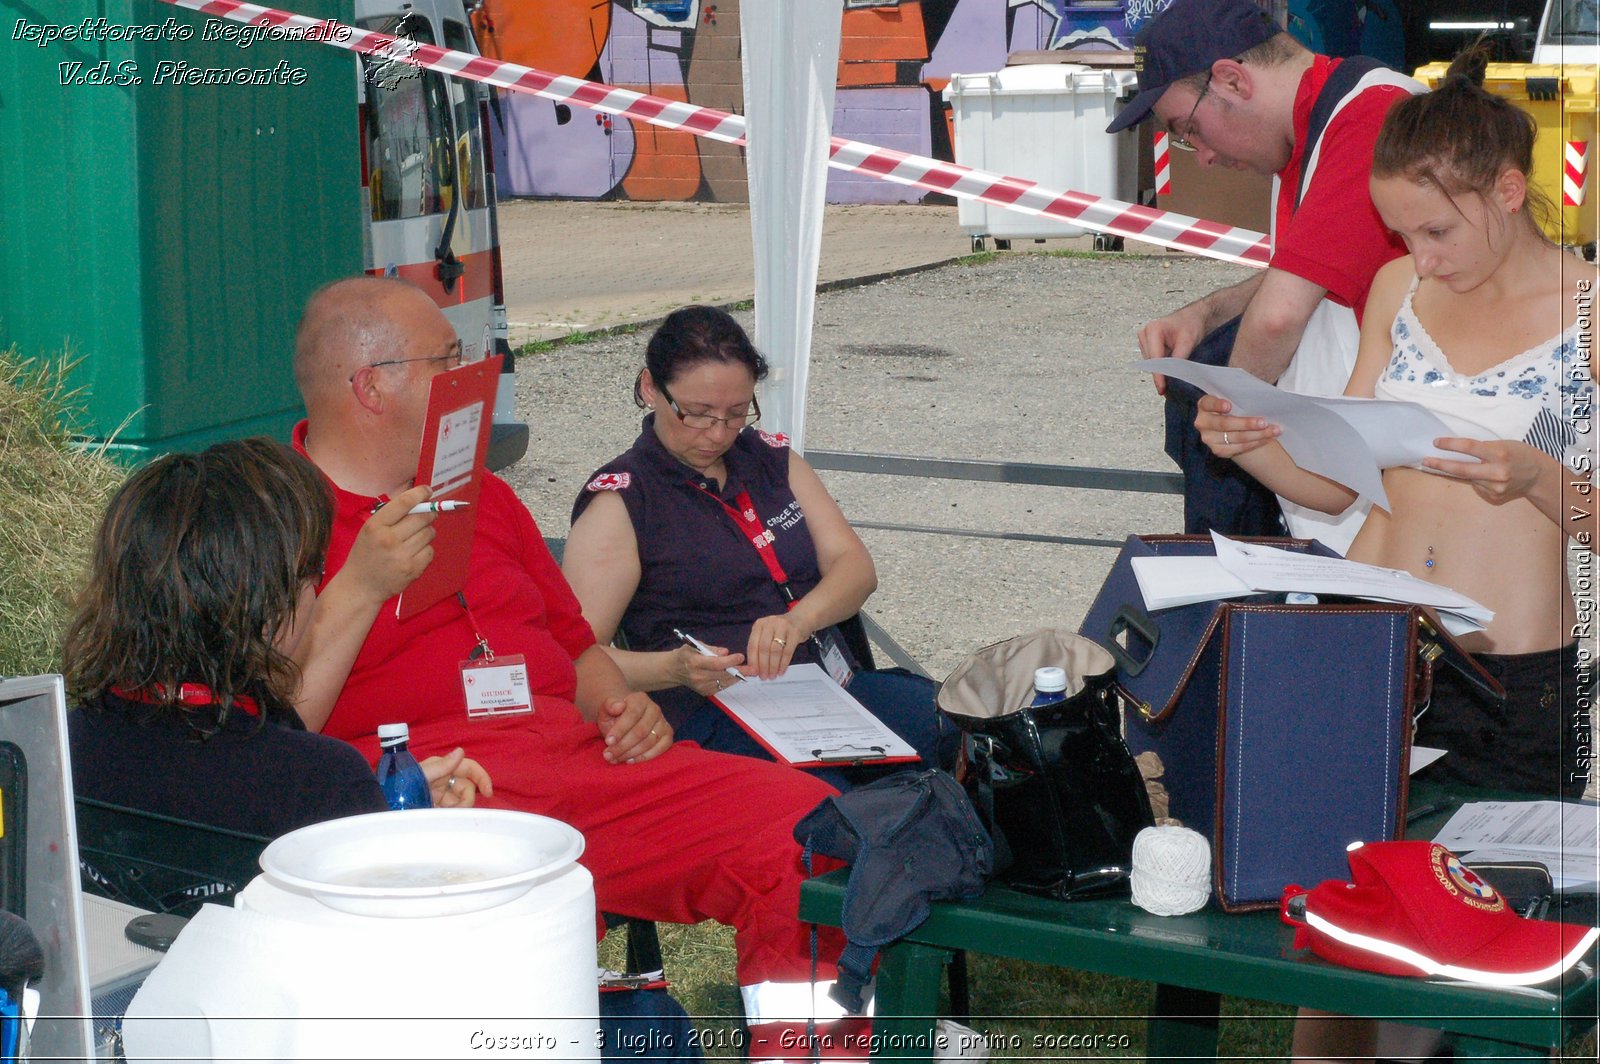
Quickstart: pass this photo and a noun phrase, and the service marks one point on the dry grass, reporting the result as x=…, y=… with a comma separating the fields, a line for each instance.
x=51, y=496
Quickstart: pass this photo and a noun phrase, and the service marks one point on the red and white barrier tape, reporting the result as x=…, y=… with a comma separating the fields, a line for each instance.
x=1097, y=213
x=1576, y=170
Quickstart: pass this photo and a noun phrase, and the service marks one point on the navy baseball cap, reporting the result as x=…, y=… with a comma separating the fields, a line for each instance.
x=1185, y=39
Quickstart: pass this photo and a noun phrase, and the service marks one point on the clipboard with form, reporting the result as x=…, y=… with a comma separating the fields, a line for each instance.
x=804, y=718
x=455, y=441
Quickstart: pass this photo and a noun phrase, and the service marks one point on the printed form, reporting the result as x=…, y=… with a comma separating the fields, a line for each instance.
x=1349, y=441
x=1239, y=569
x=1563, y=836
x=805, y=718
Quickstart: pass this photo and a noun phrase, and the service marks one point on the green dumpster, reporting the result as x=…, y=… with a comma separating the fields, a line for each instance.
x=170, y=193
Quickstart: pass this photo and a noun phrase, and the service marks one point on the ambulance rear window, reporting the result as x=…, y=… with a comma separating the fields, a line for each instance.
x=464, y=97
x=410, y=147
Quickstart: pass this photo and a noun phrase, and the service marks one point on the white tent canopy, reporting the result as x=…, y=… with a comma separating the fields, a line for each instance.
x=791, y=60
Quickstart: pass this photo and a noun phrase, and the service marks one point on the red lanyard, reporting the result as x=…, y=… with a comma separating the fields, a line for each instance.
x=190, y=694
x=760, y=537
x=482, y=649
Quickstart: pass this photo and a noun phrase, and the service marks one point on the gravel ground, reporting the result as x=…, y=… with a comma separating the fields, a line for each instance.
x=1022, y=357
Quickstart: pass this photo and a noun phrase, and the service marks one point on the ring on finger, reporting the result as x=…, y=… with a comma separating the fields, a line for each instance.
x=450, y=785
x=1226, y=442
x=780, y=641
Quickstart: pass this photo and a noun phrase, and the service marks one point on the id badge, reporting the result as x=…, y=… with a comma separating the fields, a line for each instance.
x=497, y=688
x=833, y=659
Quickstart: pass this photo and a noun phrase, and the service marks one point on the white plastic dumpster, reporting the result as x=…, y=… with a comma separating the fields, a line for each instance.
x=1046, y=123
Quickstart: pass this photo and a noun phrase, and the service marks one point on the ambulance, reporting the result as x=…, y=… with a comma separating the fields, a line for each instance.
x=428, y=197
x=1569, y=33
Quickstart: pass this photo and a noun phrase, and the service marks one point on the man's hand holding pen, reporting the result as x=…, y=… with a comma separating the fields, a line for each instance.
x=393, y=547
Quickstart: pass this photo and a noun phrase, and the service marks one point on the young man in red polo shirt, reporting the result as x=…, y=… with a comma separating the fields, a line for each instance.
x=1227, y=84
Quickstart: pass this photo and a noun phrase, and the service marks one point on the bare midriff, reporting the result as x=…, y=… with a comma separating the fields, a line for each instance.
x=1509, y=556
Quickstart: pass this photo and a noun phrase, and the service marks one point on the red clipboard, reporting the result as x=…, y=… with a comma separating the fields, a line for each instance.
x=455, y=441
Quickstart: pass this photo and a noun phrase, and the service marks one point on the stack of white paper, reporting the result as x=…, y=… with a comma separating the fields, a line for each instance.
x=1240, y=569
x=1350, y=441
x=1563, y=836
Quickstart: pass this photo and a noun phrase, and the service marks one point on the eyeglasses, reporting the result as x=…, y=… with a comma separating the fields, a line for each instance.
x=706, y=421
x=451, y=359
x=1181, y=140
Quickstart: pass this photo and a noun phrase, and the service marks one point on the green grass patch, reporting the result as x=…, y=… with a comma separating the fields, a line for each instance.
x=52, y=492
x=576, y=337
x=981, y=258
x=1079, y=253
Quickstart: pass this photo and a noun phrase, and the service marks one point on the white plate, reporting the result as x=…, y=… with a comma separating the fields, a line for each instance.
x=422, y=862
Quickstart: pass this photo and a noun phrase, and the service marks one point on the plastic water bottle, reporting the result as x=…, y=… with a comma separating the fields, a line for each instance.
x=1049, y=686
x=398, y=772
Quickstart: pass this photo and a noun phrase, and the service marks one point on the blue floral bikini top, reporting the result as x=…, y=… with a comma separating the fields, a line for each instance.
x=1543, y=397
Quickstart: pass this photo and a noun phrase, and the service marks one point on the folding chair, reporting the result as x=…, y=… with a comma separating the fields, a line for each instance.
x=859, y=632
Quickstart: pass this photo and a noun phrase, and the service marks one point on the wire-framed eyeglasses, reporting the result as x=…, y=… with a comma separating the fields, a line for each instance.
x=706, y=421
x=1181, y=141
x=451, y=358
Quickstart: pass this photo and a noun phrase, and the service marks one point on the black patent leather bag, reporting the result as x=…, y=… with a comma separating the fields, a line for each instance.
x=1055, y=786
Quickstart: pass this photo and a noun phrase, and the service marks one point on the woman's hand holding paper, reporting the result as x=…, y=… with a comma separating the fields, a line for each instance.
x=1228, y=435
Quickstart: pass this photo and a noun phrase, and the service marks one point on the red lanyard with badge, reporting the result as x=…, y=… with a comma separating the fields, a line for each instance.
x=494, y=685
x=830, y=648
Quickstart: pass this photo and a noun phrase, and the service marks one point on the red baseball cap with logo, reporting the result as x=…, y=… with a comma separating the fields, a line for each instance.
x=1412, y=908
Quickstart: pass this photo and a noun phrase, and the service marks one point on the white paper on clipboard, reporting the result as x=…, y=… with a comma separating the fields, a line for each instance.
x=458, y=449
x=455, y=441
x=807, y=719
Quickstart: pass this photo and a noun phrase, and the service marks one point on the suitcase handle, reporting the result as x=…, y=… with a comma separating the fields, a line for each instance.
x=1132, y=618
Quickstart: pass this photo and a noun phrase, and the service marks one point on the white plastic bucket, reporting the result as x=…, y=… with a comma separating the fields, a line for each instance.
x=286, y=975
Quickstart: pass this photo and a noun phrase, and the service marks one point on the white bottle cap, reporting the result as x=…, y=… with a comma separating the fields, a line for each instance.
x=394, y=734
x=1048, y=678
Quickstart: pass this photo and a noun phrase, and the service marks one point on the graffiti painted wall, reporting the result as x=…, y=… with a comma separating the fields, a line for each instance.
x=896, y=57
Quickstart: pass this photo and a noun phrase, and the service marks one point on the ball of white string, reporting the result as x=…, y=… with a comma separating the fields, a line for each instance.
x=1171, y=870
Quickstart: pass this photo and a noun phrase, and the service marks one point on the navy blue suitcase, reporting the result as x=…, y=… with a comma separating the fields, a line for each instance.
x=1284, y=730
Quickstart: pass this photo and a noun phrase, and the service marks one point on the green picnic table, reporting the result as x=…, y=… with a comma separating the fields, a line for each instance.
x=1193, y=960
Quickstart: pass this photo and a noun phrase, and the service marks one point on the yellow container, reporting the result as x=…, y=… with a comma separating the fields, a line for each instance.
x=1561, y=100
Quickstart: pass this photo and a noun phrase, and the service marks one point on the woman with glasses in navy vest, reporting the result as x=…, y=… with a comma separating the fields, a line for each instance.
x=711, y=527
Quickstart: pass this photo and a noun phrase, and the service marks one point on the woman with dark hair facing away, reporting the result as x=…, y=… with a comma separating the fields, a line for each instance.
x=1488, y=325
x=200, y=588
x=709, y=526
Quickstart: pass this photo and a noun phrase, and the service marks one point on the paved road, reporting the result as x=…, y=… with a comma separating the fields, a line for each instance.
x=573, y=266
x=1023, y=357
x=1020, y=357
